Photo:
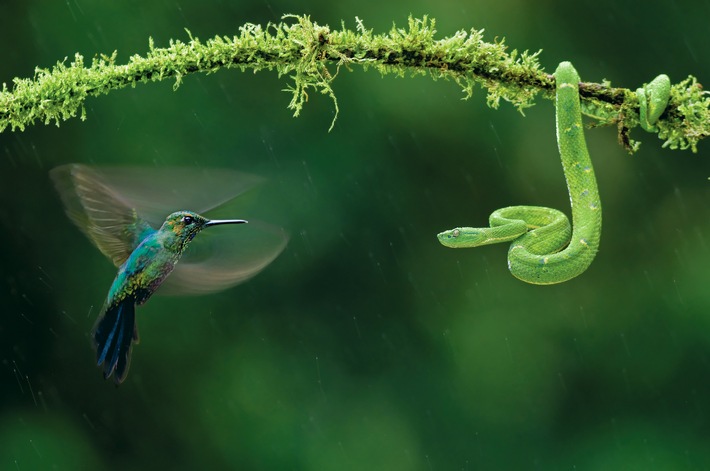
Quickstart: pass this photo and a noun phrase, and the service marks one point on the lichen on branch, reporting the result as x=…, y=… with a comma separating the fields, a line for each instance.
x=312, y=55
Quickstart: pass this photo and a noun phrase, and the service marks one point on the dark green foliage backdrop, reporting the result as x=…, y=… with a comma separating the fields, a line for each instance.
x=365, y=345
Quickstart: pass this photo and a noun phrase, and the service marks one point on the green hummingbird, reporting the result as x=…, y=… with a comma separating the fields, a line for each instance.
x=114, y=212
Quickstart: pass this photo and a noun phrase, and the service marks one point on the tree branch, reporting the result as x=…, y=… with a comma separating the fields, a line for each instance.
x=304, y=50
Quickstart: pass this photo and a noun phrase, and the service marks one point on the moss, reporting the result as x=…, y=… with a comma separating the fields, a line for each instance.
x=687, y=116
x=312, y=55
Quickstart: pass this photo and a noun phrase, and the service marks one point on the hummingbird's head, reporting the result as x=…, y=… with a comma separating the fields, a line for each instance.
x=184, y=225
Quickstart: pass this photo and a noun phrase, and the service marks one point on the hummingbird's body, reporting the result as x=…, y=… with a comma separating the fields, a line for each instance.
x=138, y=277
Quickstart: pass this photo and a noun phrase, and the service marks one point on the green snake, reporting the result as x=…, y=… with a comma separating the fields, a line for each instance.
x=545, y=249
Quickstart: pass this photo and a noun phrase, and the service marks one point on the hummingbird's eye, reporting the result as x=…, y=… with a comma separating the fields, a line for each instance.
x=187, y=220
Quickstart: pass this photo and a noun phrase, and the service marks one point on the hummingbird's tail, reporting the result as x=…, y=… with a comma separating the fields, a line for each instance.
x=114, y=333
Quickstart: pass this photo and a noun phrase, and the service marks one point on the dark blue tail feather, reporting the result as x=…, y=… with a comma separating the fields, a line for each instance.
x=114, y=334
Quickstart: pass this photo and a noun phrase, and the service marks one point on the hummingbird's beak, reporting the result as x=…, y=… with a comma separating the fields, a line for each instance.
x=216, y=222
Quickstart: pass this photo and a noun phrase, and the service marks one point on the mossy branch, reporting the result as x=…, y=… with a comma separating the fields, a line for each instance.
x=312, y=55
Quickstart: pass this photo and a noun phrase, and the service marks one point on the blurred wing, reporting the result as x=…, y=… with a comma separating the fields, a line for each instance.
x=116, y=206
x=156, y=192
x=225, y=256
x=103, y=215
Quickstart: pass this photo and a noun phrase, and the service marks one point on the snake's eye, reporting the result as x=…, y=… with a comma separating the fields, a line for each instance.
x=187, y=220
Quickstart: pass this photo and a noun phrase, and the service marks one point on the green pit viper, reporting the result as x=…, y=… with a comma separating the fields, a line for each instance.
x=545, y=249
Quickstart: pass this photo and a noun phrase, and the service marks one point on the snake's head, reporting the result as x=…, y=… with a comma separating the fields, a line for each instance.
x=463, y=237
x=449, y=238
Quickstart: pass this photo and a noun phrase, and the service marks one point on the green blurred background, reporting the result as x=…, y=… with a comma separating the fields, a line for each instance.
x=365, y=345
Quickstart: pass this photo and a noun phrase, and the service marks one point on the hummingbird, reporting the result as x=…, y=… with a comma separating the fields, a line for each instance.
x=108, y=211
